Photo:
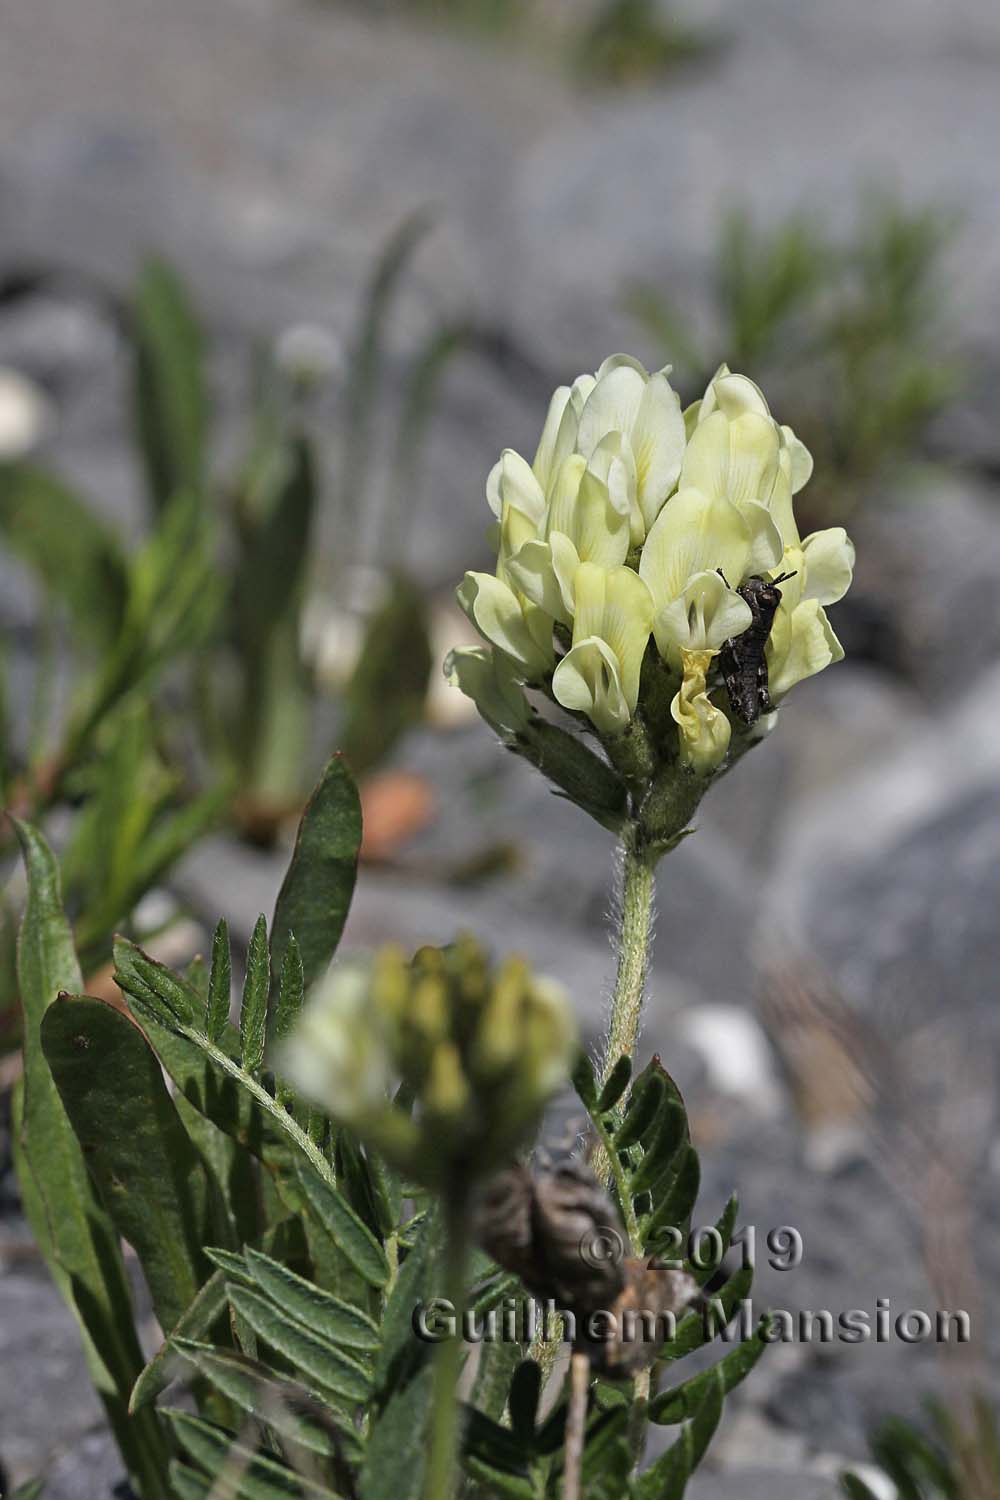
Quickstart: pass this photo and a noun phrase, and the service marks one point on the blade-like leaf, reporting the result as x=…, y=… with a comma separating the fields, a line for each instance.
x=242, y=1472
x=388, y=688
x=70, y=1225
x=150, y=1178
x=220, y=983
x=316, y=1357
x=667, y=1478
x=170, y=396
x=314, y=1308
x=77, y=556
x=617, y=1083
x=316, y=891
x=344, y=1227
x=684, y=1400
x=196, y=1323
x=253, y=1008
x=284, y=1405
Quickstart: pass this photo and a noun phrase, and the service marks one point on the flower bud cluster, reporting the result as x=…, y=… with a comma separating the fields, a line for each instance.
x=623, y=552
x=444, y=1063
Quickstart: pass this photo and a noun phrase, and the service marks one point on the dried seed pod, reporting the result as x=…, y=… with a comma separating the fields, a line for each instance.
x=561, y=1233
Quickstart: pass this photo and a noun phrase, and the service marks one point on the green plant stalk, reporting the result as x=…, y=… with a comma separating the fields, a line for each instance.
x=441, y=1465
x=635, y=918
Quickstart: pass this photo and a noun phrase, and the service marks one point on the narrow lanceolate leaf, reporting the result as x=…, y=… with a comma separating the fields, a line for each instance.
x=585, y=1083
x=316, y=891
x=284, y=1405
x=72, y=1228
x=400, y=1351
x=685, y=1399
x=253, y=1008
x=396, y=1459
x=170, y=396
x=698, y=1328
x=643, y=1107
x=667, y=1478
x=149, y=1175
x=196, y=1323
x=674, y=1200
x=220, y=982
x=204, y=1071
x=353, y=1238
x=154, y=989
x=618, y=1080
x=242, y=1472
x=314, y=1356
x=314, y=1308
x=291, y=990
x=232, y=1263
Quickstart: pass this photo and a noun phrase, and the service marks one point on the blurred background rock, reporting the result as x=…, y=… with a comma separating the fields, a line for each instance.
x=812, y=192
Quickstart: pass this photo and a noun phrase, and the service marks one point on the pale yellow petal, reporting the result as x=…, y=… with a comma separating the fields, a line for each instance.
x=657, y=441
x=802, y=643
x=705, y=616
x=693, y=534
x=829, y=564
x=587, y=680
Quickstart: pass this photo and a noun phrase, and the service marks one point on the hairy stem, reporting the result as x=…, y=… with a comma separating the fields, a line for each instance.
x=635, y=917
x=441, y=1465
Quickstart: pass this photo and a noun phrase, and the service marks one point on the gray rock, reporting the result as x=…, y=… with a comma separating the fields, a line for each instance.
x=46, y=1399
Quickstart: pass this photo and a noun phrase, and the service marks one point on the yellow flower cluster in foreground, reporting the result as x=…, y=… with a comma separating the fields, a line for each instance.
x=471, y=1052
x=636, y=521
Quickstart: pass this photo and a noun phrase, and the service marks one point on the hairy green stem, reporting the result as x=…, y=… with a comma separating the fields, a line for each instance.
x=635, y=917
x=441, y=1465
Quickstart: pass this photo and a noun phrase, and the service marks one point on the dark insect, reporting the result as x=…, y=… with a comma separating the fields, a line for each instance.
x=743, y=659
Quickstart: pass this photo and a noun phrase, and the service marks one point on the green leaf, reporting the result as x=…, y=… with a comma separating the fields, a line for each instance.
x=231, y=1262
x=291, y=990
x=150, y=1178
x=397, y=1444
x=401, y=1351
x=699, y=1328
x=187, y=1484
x=348, y=1233
x=585, y=1083
x=72, y=1229
x=855, y=1488
x=284, y=1405
x=667, y=1478
x=683, y=1401
x=725, y=1224
x=171, y=402
x=196, y=1323
x=220, y=982
x=77, y=556
x=241, y=1471
x=316, y=892
x=253, y=1008
x=661, y=1155
x=32, y=1489
x=643, y=1107
x=500, y=1481
x=248, y=1112
x=155, y=989
x=317, y=1310
x=388, y=688
x=617, y=1083
x=366, y=362
x=673, y=1208
x=310, y=1353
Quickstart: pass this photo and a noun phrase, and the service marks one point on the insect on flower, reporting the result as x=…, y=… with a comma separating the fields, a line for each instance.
x=742, y=658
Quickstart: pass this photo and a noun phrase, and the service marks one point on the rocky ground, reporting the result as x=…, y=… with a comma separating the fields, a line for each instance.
x=827, y=945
